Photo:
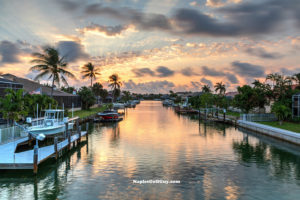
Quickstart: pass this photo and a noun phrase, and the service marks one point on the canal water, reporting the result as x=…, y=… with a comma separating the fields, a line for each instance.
x=152, y=143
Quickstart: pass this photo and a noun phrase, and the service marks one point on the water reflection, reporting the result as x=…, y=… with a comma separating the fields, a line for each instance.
x=212, y=161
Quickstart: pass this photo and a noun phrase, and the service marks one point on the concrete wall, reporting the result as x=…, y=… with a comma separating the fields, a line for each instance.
x=288, y=136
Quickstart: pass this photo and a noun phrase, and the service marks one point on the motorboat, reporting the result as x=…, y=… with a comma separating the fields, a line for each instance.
x=167, y=102
x=52, y=123
x=108, y=116
x=118, y=106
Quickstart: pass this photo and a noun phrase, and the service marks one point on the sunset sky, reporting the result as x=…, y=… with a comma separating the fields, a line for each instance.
x=156, y=45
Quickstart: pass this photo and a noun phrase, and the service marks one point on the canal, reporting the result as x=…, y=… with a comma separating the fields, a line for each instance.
x=152, y=143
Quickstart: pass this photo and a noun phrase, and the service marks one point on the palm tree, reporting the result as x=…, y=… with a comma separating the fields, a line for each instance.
x=52, y=65
x=220, y=87
x=115, y=82
x=206, y=89
x=274, y=78
x=90, y=71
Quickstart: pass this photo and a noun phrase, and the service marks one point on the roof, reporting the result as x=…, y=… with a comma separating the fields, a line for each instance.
x=30, y=85
x=53, y=110
x=3, y=80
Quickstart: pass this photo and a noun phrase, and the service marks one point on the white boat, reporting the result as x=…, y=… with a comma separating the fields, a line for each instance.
x=53, y=123
x=118, y=106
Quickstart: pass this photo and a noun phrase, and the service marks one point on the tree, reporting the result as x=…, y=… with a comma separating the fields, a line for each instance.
x=126, y=96
x=245, y=99
x=206, y=89
x=281, y=111
x=90, y=71
x=296, y=78
x=88, y=98
x=69, y=90
x=114, y=82
x=52, y=65
x=43, y=101
x=97, y=87
x=103, y=94
x=12, y=105
x=220, y=87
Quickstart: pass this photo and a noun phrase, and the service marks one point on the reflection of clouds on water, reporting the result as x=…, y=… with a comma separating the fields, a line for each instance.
x=211, y=160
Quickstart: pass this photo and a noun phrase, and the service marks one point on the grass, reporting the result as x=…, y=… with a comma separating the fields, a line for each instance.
x=290, y=126
x=86, y=113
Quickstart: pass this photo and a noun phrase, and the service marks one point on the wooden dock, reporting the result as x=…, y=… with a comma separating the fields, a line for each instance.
x=30, y=159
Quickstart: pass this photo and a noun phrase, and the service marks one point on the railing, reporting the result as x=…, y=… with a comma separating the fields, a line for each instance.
x=258, y=117
x=11, y=133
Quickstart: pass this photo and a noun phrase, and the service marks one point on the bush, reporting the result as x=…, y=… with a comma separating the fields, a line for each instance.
x=88, y=98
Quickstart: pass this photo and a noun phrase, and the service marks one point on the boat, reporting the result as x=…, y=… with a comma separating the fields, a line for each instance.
x=167, y=102
x=108, y=116
x=117, y=106
x=52, y=123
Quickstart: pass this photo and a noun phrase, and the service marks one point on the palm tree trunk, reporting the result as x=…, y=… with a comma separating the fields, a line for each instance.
x=52, y=87
x=91, y=82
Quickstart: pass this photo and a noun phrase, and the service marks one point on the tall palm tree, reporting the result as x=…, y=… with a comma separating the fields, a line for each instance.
x=274, y=78
x=206, y=89
x=90, y=71
x=52, y=65
x=220, y=87
x=114, y=82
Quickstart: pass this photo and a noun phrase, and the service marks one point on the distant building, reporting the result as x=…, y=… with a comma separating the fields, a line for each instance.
x=33, y=87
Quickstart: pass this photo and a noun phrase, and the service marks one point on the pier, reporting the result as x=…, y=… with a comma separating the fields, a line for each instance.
x=31, y=159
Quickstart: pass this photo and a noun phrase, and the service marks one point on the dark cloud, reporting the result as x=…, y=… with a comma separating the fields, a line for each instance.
x=68, y=5
x=188, y=72
x=232, y=78
x=290, y=71
x=262, y=53
x=143, y=72
x=160, y=71
x=164, y=71
x=196, y=85
x=9, y=52
x=145, y=21
x=247, y=69
x=206, y=82
x=107, y=30
x=211, y=72
x=73, y=51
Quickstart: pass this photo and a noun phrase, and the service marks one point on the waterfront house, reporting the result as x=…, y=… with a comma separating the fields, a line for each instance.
x=296, y=105
x=33, y=87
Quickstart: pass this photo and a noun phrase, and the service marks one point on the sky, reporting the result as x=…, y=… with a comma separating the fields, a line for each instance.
x=155, y=45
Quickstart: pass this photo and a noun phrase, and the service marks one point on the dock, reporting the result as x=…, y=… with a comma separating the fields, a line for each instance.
x=30, y=159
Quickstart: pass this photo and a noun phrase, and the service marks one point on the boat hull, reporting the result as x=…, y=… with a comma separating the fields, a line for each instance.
x=50, y=130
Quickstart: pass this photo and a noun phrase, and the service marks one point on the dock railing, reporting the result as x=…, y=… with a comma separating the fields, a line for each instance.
x=9, y=134
x=258, y=117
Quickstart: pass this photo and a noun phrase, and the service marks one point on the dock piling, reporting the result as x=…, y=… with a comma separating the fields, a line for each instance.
x=55, y=147
x=35, y=159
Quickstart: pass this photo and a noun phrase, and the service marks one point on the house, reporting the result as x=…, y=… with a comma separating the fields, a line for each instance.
x=296, y=105
x=33, y=87
x=5, y=84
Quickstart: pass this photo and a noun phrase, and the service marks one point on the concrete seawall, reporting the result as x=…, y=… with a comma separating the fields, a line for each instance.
x=288, y=136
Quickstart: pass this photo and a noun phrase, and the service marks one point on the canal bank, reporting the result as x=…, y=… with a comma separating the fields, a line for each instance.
x=282, y=134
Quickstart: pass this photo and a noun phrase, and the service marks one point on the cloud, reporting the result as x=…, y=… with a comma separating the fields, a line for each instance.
x=290, y=71
x=145, y=21
x=163, y=71
x=211, y=72
x=68, y=5
x=9, y=52
x=143, y=72
x=160, y=71
x=247, y=69
x=215, y=3
x=188, y=72
x=232, y=78
x=206, y=82
x=107, y=30
x=262, y=53
x=72, y=50
x=149, y=87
